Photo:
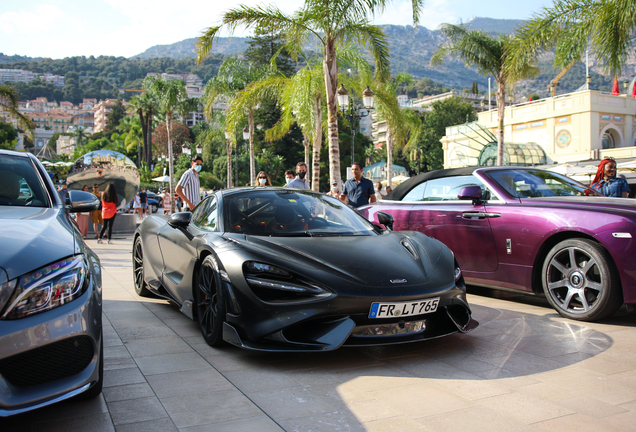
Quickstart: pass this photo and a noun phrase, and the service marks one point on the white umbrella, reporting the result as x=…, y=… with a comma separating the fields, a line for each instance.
x=396, y=180
x=162, y=179
x=627, y=165
x=571, y=170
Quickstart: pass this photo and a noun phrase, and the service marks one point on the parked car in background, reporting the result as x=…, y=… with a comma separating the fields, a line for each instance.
x=153, y=206
x=277, y=269
x=51, y=344
x=526, y=229
x=155, y=197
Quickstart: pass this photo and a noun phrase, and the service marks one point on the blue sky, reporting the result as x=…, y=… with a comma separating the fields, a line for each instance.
x=63, y=28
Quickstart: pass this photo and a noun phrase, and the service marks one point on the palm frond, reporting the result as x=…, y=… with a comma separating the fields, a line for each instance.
x=9, y=100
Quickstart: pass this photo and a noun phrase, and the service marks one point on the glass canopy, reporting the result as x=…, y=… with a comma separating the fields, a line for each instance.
x=515, y=154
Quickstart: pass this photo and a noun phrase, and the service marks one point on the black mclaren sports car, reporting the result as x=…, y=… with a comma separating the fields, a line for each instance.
x=278, y=269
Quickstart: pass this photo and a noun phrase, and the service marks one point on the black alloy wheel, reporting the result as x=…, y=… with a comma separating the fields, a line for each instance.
x=580, y=280
x=210, y=306
x=138, y=269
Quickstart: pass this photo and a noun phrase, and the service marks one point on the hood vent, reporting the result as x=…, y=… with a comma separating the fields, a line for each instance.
x=410, y=248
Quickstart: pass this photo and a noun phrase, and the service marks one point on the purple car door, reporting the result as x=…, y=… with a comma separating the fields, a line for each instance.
x=460, y=225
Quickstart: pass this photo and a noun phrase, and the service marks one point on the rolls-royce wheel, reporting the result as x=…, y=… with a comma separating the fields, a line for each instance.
x=210, y=306
x=138, y=269
x=580, y=280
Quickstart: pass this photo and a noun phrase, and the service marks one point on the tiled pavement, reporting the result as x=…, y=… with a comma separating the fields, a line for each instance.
x=523, y=369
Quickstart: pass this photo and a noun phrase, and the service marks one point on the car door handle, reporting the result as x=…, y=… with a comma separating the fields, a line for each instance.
x=479, y=215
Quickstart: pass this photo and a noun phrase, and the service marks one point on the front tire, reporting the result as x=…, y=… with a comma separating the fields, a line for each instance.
x=154, y=208
x=580, y=281
x=210, y=305
x=138, y=269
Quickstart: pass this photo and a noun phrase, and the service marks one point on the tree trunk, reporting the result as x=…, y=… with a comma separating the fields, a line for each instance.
x=229, y=164
x=501, y=106
x=250, y=125
x=141, y=151
x=306, y=146
x=330, y=69
x=170, y=160
x=315, y=172
x=149, y=127
x=389, y=157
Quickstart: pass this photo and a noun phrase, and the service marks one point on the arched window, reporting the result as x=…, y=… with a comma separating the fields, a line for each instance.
x=608, y=140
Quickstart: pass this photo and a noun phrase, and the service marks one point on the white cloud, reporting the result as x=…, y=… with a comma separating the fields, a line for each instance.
x=60, y=28
x=41, y=19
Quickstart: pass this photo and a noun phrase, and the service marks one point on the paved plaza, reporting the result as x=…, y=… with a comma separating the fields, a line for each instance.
x=523, y=369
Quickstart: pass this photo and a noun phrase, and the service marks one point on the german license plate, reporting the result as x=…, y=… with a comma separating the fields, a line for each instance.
x=412, y=308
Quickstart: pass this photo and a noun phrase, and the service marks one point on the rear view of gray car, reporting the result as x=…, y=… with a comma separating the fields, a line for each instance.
x=50, y=292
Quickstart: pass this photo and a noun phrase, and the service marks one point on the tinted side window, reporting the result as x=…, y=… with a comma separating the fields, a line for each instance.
x=205, y=215
x=444, y=189
x=416, y=194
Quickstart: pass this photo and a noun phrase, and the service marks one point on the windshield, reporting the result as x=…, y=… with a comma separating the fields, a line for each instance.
x=291, y=213
x=538, y=183
x=20, y=184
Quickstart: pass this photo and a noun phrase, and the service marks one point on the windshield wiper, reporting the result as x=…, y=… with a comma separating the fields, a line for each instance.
x=293, y=234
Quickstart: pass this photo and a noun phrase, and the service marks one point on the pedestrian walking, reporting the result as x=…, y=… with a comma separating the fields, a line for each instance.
x=137, y=206
x=263, y=179
x=606, y=181
x=300, y=181
x=109, y=211
x=143, y=200
x=82, y=218
x=97, y=214
x=334, y=191
x=358, y=190
x=289, y=176
x=165, y=197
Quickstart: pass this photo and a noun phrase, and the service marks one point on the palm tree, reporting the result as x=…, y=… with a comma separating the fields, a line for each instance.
x=388, y=108
x=332, y=23
x=605, y=27
x=80, y=134
x=169, y=95
x=488, y=55
x=300, y=99
x=9, y=104
x=233, y=76
x=143, y=105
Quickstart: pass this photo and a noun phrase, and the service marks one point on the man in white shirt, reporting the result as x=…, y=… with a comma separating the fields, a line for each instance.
x=189, y=187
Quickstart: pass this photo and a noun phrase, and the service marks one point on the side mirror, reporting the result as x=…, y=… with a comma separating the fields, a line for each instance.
x=82, y=202
x=386, y=220
x=180, y=220
x=470, y=193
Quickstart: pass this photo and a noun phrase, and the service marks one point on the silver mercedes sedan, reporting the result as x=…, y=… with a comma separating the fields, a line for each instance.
x=50, y=292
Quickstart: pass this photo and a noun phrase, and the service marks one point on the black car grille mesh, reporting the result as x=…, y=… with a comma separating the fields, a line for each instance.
x=48, y=363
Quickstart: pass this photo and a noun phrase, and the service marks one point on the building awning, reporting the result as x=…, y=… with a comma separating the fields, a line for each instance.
x=515, y=154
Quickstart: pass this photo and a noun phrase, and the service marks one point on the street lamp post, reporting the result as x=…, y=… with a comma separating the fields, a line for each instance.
x=185, y=149
x=351, y=113
x=246, y=137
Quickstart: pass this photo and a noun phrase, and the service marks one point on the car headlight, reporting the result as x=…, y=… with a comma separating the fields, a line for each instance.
x=47, y=288
x=274, y=285
x=459, y=277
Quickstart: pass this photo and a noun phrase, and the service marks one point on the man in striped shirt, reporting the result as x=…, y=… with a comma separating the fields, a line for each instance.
x=189, y=188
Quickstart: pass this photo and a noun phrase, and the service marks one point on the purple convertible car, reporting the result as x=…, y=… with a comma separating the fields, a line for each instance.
x=526, y=229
